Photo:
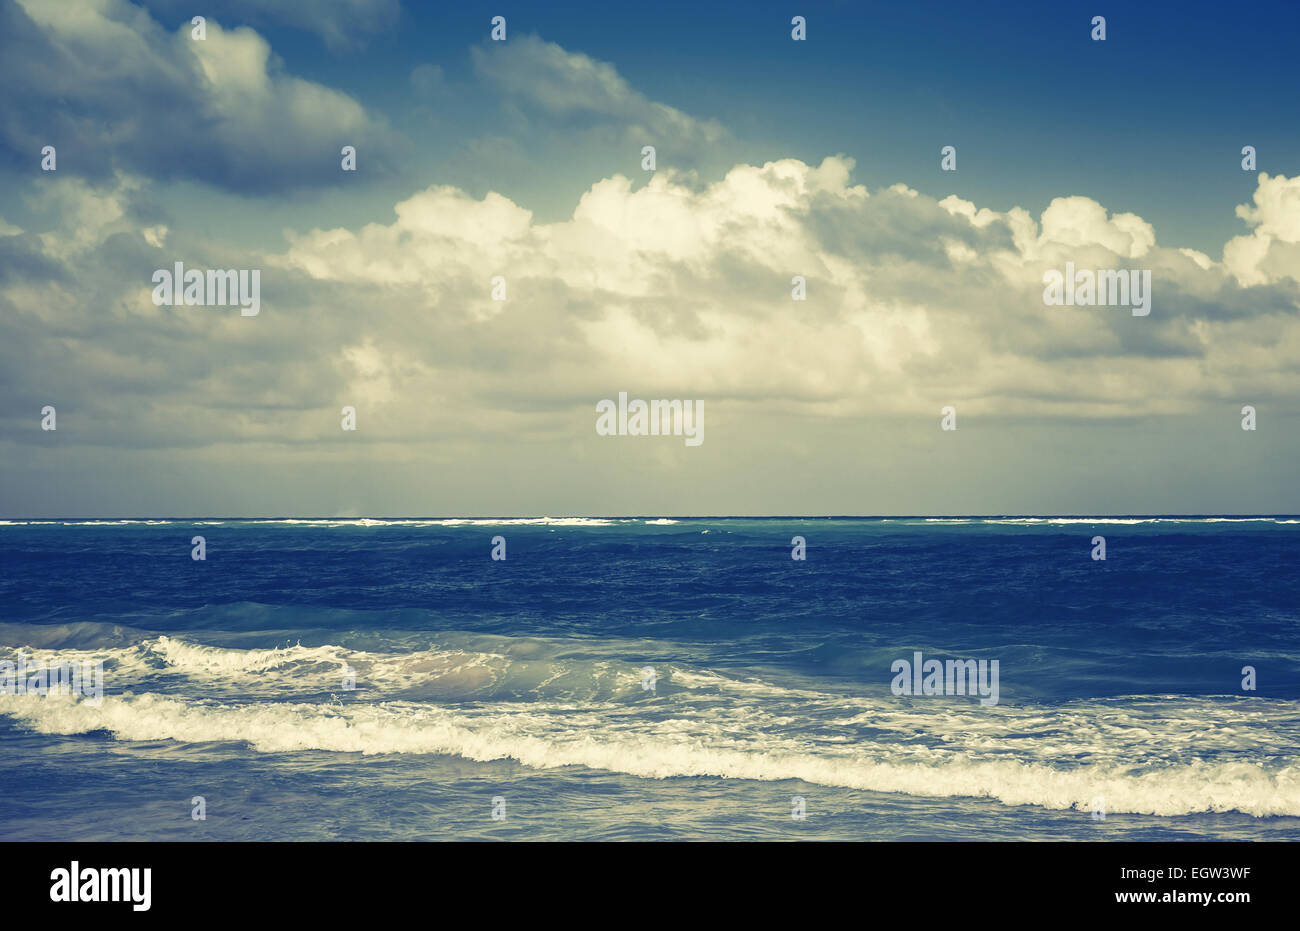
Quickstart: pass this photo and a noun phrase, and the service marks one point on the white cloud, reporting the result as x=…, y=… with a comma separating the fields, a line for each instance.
x=688, y=286
x=1270, y=252
x=675, y=288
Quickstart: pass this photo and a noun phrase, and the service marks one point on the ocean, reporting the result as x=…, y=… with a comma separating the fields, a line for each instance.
x=653, y=679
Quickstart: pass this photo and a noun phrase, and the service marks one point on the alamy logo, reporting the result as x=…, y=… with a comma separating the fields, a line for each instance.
x=1107, y=287
x=231, y=286
x=87, y=884
x=651, y=418
x=956, y=677
x=23, y=678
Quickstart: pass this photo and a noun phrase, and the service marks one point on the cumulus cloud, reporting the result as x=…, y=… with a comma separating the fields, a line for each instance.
x=675, y=284
x=114, y=91
x=1272, y=251
x=674, y=289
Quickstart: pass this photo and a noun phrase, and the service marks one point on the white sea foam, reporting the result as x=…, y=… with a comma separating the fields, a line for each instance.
x=487, y=698
x=548, y=736
x=295, y=670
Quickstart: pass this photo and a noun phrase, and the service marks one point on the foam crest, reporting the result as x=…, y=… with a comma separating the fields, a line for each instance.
x=534, y=740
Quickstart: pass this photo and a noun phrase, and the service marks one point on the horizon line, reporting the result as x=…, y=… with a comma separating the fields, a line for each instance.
x=1002, y=516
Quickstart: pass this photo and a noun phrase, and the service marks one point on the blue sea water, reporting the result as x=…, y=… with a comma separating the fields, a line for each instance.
x=519, y=686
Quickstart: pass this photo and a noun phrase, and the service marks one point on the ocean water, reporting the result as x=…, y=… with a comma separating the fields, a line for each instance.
x=519, y=687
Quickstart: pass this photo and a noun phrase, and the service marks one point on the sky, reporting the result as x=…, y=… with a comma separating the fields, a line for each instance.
x=521, y=160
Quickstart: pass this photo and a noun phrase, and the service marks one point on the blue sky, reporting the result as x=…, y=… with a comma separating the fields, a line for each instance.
x=1035, y=107
x=523, y=158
